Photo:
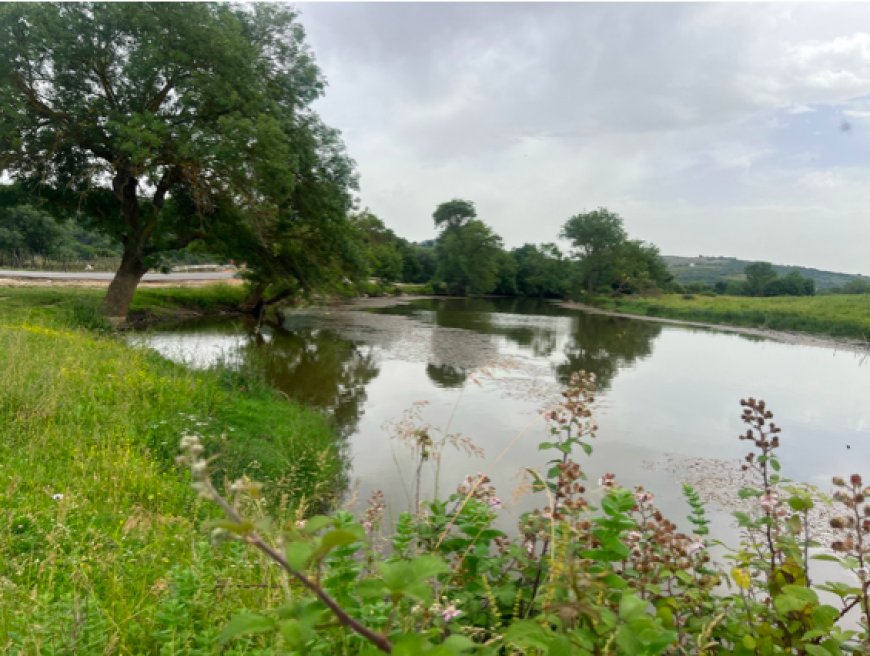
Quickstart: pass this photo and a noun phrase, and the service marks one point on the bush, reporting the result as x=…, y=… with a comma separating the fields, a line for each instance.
x=575, y=579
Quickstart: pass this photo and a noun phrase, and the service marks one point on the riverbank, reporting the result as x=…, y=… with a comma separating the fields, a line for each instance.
x=840, y=322
x=102, y=544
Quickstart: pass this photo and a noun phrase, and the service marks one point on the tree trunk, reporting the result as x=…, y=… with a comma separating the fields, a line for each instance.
x=254, y=301
x=122, y=288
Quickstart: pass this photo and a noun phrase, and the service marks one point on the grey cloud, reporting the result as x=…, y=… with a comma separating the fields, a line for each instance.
x=537, y=111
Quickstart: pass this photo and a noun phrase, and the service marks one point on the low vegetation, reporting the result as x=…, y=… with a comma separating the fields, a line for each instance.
x=834, y=315
x=575, y=578
x=99, y=544
x=107, y=548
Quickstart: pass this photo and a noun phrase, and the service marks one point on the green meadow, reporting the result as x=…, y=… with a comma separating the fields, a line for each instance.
x=102, y=545
x=846, y=315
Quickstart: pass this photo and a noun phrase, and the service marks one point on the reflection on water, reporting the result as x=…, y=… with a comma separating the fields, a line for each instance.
x=319, y=368
x=487, y=367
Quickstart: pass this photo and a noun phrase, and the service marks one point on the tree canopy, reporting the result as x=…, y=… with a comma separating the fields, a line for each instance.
x=606, y=256
x=454, y=213
x=166, y=123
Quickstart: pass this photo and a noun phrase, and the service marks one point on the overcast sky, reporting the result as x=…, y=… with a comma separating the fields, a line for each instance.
x=715, y=129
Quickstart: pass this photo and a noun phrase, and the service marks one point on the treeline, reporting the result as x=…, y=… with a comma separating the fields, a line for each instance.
x=761, y=280
x=468, y=257
x=30, y=237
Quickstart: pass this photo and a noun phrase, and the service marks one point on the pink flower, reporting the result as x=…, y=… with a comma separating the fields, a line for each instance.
x=643, y=497
x=450, y=613
x=494, y=503
x=695, y=547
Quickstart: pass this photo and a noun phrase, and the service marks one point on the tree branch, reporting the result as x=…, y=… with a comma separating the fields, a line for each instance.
x=154, y=104
x=33, y=99
x=100, y=71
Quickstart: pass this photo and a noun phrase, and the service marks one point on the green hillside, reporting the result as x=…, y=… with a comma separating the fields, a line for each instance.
x=712, y=269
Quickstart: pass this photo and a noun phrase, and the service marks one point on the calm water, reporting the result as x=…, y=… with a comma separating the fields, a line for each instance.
x=667, y=407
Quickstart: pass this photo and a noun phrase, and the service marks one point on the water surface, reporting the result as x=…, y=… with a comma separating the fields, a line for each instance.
x=484, y=369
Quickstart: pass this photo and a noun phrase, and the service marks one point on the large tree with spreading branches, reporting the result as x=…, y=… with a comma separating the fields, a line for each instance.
x=165, y=123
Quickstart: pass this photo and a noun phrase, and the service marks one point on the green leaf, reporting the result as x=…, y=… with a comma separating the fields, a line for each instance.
x=428, y=565
x=527, y=634
x=298, y=554
x=314, y=524
x=246, y=624
x=296, y=633
x=631, y=607
x=800, y=503
x=339, y=537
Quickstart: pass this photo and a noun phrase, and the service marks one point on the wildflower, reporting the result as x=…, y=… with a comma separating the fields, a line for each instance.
x=862, y=573
x=450, y=613
x=608, y=480
x=57, y=496
x=695, y=547
x=643, y=497
x=494, y=503
x=769, y=500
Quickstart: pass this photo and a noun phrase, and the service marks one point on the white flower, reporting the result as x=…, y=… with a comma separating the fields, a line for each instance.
x=57, y=496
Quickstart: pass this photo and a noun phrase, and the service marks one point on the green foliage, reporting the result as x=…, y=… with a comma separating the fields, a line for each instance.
x=97, y=542
x=607, y=259
x=724, y=271
x=163, y=137
x=468, y=257
x=382, y=251
x=454, y=213
x=575, y=578
x=833, y=315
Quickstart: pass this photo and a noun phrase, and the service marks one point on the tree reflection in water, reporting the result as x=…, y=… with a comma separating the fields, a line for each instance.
x=318, y=367
x=604, y=345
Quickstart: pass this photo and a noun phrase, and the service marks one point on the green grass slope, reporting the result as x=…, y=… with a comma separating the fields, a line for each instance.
x=101, y=545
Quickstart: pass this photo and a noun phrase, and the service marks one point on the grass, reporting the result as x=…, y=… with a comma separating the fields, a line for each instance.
x=846, y=316
x=120, y=563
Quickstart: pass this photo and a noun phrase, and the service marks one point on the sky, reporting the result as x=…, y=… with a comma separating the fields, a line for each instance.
x=712, y=129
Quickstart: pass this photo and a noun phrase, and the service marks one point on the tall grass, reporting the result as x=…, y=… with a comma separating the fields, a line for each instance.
x=99, y=551
x=831, y=315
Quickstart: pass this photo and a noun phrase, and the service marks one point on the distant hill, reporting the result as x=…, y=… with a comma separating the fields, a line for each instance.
x=712, y=269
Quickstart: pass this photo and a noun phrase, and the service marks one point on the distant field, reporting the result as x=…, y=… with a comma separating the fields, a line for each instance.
x=834, y=315
x=710, y=270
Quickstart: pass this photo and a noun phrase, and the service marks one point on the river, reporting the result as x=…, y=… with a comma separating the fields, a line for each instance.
x=482, y=370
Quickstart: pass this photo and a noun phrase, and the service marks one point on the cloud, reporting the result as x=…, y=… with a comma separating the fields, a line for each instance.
x=683, y=117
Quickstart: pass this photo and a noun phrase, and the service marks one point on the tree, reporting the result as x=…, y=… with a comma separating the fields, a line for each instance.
x=468, y=258
x=758, y=276
x=595, y=236
x=454, y=213
x=541, y=271
x=380, y=245
x=166, y=123
x=638, y=267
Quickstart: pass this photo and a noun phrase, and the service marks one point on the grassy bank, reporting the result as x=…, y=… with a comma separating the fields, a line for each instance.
x=835, y=315
x=101, y=545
